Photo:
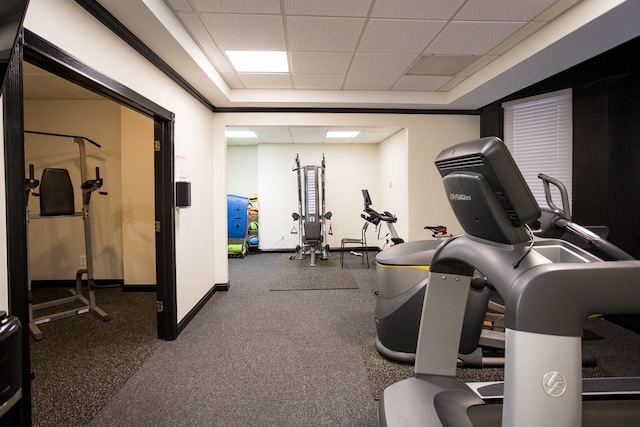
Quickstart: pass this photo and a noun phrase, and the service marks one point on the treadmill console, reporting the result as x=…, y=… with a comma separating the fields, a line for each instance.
x=486, y=190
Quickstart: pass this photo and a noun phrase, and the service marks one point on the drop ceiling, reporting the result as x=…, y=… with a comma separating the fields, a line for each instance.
x=368, y=54
x=417, y=54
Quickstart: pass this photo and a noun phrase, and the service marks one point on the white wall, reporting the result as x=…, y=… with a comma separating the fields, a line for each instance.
x=198, y=255
x=348, y=171
x=392, y=192
x=399, y=172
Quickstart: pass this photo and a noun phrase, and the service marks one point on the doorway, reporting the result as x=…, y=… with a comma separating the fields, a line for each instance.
x=49, y=58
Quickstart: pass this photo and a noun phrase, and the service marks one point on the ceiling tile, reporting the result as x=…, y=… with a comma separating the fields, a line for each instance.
x=480, y=63
x=318, y=81
x=421, y=83
x=365, y=82
x=219, y=61
x=399, y=36
x=443, y=65
x=191, y=20
x=324, y=34
x=381, y=63
x=266, y=80
x=472, y=38
x=556, y=9
x=320, y=62
x=238, y=6
x=328, y=7
x=500, y=10
x=232, y=80
x=372, y=137
x=203, y=39
x=246, y=32
x=180, y=5
x=455, y=81
x=517, y=37
x=416, y=9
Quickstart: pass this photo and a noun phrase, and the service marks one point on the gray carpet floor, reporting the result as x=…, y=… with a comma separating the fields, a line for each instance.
x=254, y=357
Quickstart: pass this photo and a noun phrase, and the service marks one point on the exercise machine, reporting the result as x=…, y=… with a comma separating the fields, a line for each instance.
x=550, y=286
x=399, y=296
x=375, y=218
x=312, y=215
x=401, y=275
x=57, y=200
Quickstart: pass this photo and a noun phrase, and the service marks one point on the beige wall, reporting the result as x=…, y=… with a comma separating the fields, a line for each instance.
x=138, y=232
x=56, y=244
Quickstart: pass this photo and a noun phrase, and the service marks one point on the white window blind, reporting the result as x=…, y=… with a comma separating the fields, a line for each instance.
x=538, y=132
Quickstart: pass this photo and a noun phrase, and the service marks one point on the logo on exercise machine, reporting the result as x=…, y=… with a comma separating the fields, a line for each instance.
x=554, y=384
x=457, y=197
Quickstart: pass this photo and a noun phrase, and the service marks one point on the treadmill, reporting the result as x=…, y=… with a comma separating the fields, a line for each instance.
x=550, y=286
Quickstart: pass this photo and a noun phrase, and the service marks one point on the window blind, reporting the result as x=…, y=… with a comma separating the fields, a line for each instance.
x=538, y=132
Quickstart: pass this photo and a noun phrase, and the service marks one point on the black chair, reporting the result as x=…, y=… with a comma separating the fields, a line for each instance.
x=362, y=241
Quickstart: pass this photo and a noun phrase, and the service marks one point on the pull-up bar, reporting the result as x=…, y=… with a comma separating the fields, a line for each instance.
x=64, y=136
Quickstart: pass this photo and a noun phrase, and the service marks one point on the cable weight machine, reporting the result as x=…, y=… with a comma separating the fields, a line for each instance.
x=57, y=200
x=311, y=216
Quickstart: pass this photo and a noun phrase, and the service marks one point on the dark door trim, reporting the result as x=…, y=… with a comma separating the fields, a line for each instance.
x=38, y=51
x=49, y=57
x=16, y=224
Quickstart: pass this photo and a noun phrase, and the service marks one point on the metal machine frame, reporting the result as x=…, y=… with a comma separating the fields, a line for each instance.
x=312, y=215
x=550, y=287
x=87, y=304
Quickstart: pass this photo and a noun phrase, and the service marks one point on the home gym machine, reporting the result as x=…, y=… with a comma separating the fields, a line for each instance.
x=56, y=197
x=311, y=216
x=550, y=287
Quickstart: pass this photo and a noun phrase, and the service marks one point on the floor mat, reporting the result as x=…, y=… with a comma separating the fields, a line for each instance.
x=297, y=275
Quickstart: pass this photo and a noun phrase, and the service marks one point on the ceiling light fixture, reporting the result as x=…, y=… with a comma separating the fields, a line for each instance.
x=251, y=61
x=342, y=133
x=240, y=134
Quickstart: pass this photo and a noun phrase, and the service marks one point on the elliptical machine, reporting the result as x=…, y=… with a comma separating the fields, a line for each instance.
x=550, y=286
x=401, y=273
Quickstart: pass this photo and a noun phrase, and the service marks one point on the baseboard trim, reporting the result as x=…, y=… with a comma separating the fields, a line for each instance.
x=195, y=310
x=221, y=286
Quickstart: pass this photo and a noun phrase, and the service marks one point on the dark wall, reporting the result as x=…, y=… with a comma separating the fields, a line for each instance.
x=606, y=138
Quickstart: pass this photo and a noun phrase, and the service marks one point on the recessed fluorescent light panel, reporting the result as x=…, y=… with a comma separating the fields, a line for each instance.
x=342, y=133
x=240, y=134
x=251, y=61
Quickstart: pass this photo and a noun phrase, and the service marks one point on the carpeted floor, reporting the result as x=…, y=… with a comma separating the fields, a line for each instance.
x=251, y=357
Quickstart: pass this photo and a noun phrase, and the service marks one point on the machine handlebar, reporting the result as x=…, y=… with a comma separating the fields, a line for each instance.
x=374, y=217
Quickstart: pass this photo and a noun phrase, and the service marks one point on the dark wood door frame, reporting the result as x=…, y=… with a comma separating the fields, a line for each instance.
x=38, y=51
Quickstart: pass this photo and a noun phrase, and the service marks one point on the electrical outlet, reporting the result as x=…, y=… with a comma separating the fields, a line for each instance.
x=83, y=260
